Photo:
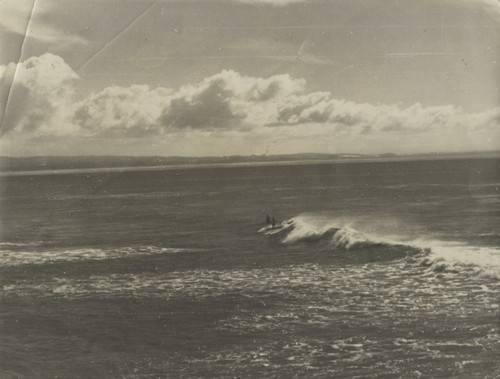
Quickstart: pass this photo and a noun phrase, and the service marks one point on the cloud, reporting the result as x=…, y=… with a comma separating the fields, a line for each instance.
x=226, y=99
x=41, y=102
x=211, y=106
x=223, y=101
x=128, y=111
x=35, y=94
x=26, y=18
x=321, y=108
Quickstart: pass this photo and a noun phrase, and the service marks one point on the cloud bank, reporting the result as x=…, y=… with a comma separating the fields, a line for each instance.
x=39, y=94
x=321, y=108
x=226, y=101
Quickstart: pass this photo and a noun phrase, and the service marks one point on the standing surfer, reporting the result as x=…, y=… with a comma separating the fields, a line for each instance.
x=270, y=222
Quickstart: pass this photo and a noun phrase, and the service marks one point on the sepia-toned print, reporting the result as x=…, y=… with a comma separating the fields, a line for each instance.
x=249, y=189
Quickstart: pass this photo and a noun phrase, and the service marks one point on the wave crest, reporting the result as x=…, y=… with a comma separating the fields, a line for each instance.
x=303, y=229
x=350, y=238
x=435, y=256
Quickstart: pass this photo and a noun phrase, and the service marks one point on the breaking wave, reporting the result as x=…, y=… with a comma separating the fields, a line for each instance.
x=434, y=255
x=304, y=229
x=460, y=257
x=299, y=230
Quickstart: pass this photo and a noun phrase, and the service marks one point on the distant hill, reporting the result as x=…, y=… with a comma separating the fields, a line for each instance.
x=37, y=163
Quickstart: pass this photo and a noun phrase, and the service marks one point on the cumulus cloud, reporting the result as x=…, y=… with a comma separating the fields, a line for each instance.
x=321, y=108
x=40, y=100
x=129, y=111
x=34, y=94
x=223, y=101
x=226, y=99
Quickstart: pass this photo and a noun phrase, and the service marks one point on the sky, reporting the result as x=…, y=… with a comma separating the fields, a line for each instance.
x=241, y=77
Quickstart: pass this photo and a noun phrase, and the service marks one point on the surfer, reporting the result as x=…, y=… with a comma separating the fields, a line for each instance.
x=268, y=220
x=273, y=222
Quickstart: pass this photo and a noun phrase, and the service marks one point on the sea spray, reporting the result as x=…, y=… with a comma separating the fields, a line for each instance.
x=436, y=256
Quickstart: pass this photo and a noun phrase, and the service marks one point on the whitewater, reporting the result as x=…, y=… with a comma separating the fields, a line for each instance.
x=373, y=270
x=434, y=254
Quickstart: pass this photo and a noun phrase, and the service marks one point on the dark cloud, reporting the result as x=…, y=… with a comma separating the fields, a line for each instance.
x=209, y=107
x=226, y=100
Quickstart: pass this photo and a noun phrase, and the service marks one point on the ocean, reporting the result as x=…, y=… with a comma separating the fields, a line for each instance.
x=373, y=270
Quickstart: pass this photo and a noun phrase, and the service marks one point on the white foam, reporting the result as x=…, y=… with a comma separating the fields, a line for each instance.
x=440, y=256
x=349, y=238
x=304, y=230
x=457, y=256
x=310, y=228
x=19, y=257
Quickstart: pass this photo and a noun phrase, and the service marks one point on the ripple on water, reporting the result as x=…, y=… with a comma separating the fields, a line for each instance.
x=383, y=319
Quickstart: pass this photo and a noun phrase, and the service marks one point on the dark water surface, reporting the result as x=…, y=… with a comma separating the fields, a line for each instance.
x=379, y=270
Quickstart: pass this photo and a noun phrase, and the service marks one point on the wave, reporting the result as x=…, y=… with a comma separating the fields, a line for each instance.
x=310, y=229
x=299, y=230
x=460, y=257
x=434, y=255
x=350, y=238
x=16, y=257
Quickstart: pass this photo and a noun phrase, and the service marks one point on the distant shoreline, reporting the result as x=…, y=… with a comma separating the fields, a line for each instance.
x=59, y=165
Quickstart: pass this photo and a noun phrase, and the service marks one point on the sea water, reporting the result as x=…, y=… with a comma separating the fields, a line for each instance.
x=374, y=270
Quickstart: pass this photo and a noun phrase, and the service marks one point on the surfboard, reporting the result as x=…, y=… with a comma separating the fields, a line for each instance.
x=277, y=229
